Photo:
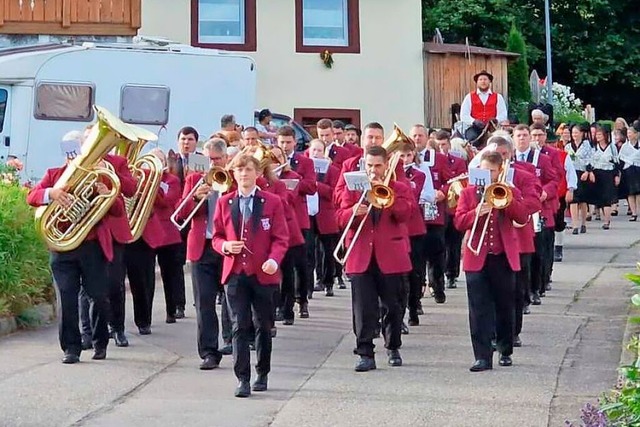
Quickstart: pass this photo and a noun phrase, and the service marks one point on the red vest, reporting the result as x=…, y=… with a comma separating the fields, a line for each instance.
x=562, y=185
x=484, y=112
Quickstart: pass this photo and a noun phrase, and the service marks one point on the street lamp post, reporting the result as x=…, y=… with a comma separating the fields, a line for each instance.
x=547, y=25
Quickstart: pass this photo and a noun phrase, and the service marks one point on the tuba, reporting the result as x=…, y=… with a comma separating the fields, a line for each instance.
x=147, y=171
x=499, y=196
x=64, y=229
x=456, y=186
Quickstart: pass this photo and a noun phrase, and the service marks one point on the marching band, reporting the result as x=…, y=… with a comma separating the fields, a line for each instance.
x=400, y=214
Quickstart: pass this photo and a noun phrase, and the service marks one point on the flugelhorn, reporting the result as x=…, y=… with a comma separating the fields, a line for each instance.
x=380, y=196
x=218, y=178
x=456, y=185
x=499, y=196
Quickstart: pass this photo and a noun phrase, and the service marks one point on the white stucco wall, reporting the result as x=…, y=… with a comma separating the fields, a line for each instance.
x=385, y=81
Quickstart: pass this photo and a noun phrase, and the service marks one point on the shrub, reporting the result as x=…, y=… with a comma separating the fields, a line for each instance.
x=25, y=278
x=519, y=90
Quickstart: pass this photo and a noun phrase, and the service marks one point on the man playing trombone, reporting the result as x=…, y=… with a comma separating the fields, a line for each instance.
x=379, y=261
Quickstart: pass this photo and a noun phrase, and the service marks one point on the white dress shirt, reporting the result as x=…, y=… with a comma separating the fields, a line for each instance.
x=465, y=108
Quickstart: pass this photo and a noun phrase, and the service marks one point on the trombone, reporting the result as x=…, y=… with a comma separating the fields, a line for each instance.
x=499, y=196
x=380, y=196
x=218, y=178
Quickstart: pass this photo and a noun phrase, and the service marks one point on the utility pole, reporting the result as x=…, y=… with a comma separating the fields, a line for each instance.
x=547, y=25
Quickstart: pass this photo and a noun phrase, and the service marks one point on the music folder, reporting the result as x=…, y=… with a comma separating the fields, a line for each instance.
x=291, y=183
x=321, y=165
x=479, y=177
x=198, y=163
x=357, y=181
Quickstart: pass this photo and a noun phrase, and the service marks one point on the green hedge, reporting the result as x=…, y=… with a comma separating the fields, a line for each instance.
x=25, y=278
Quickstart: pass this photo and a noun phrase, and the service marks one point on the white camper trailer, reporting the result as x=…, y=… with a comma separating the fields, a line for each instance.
x=49, y=90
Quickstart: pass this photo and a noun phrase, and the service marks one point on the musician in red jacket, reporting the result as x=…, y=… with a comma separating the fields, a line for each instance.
x=307, y=186
x=84, y=267
x=490, y=274
x=206, y=264
x=378, y=263
x=169, y=261
x=334, y=151
x=252, y=235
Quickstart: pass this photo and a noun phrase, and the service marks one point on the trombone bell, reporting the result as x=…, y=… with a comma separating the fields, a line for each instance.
x=381, y=196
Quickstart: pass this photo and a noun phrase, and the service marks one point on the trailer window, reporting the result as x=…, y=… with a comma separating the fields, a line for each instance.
x=145, y=105
x=3, y=107
x=64, y=101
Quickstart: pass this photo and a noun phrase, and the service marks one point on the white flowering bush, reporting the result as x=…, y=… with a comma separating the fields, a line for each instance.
x=565, y=102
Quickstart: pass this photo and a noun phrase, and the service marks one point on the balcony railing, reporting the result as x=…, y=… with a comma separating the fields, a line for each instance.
x=70, y=17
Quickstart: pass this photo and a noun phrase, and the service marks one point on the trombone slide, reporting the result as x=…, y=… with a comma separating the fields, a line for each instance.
x=187, y=220
x=341, y=243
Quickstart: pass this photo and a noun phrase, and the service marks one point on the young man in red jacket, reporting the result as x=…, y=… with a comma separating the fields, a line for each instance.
x=379, y=262
x=252, y=235
x=491, y=273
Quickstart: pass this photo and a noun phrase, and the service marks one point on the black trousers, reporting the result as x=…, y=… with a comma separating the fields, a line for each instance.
x=140, y=263
x=293, y=290
x=491, y=296
x=417, y=275
x=542, y=260
x=310, y=259
x=172, y=272
x=560, y=224
x=523, y=288
x=250, y=305
x=206, y=274
x=84, y=267
x=370, y=291
x=434, y=250
x=453, y=247
x=325, y=262
x=180, y=296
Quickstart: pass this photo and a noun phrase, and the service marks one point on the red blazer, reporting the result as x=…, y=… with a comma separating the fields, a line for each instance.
x=100, y=231
x=296, y=238
x=165, y=206
x=338, y=155
x=525, y=180
x=303, y=166
x=198, y=230
x=557, y=161
x=266, y=234
x=415, y=224
x=457, y=167
x=387, y=240
x=326, y=216
x=440, y=174
x=548, y=177
x=353, y=150
x=119, y=225
x=463, y=221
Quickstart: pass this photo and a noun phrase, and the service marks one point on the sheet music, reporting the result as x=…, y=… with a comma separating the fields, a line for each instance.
x=479, y=177
x=198, y=163
x=321, y=165
x=70, y=149
x=313, y=204
x=290, y=183
x=357, y=181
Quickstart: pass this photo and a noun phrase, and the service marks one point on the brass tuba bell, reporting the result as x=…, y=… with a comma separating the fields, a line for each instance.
x=64, y=229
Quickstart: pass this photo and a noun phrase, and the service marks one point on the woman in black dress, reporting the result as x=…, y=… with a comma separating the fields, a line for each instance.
x=606, y=169
x=581, y=151
x=630, y=158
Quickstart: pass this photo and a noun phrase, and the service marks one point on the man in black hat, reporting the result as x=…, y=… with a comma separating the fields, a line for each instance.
x=483, y=105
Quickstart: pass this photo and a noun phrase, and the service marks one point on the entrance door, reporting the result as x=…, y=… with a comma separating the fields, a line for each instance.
x=5, y=122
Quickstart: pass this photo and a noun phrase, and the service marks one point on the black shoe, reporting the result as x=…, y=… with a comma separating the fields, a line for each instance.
x=633, y=218
x=394, y=358
x=121, y=339
x=145, y=330
x=328, y=291
x=557, y=254
x=243, y=389
x=419, y=309
x=279, y=316
x=414, y=321
x=227, y=350
x=505, y=361
x=481, y=365
x=526, y=310
x=547, y=287
x=86, y=342
x=517, y=342
x=535, y=299
x=614, y=213
x=288, y=322
x=99, y=354
x=252, y=346
x=304, y=310
x=170, y=319
x=606, y=226
x=440, y=298
x=575, y=231
x=583, y=229
x=318, y=287
x=451, y=283
x=542, y=294
x=404, y=329
x=70, y=358
x=341, y=284
x=365, y=363
x=274, y=332
x=260, y=384
x=209, y=363
x=180, y=313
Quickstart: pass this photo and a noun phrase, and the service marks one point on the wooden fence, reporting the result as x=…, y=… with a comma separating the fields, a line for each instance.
x=70, y=17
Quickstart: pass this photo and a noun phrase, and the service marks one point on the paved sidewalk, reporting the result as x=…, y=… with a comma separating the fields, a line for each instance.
x=572, y=346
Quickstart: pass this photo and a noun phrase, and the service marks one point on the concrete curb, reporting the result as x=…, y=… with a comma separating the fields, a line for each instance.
x=31, y=318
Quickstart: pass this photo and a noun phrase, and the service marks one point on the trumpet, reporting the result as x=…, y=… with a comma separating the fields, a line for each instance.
x=499, y=196
x=218, y=178
x=380, y=196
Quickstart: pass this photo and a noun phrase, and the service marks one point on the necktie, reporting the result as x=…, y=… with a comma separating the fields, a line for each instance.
x=211, y=209
x=427, y=155
x=522, y=157
x=245, y=203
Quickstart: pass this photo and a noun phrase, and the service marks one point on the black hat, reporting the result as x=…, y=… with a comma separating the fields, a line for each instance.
x=264, y=114
x=483, y=73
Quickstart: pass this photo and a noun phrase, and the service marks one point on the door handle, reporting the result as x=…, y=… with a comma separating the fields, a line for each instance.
x=7, y=141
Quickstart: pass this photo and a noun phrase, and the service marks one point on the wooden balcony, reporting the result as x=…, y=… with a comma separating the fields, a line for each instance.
x=70, y=17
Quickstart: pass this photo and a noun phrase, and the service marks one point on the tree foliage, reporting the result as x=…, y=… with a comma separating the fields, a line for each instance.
x=519, y=90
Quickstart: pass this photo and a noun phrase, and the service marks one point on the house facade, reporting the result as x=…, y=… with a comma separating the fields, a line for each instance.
x=355, y=60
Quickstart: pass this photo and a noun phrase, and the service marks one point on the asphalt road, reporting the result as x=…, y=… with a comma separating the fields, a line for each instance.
x=572, y=347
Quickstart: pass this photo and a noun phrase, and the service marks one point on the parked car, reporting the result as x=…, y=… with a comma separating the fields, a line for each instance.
x=278, y=120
